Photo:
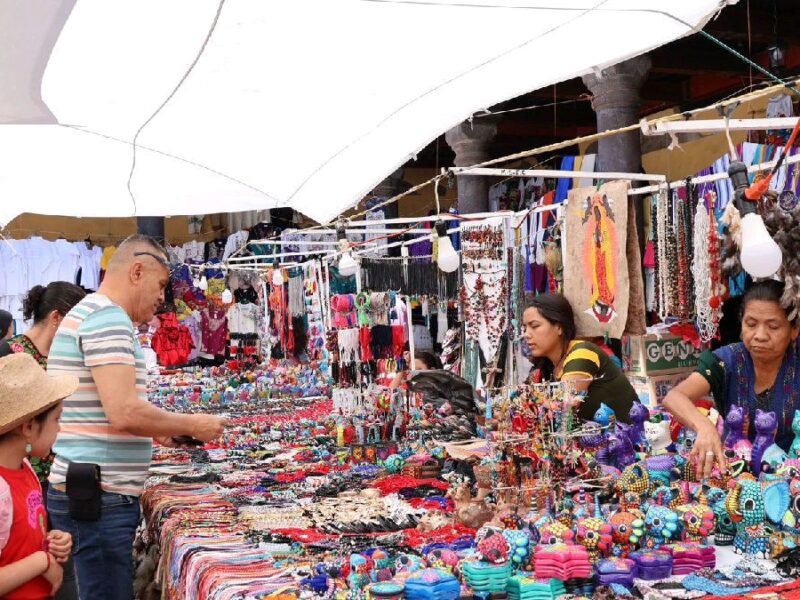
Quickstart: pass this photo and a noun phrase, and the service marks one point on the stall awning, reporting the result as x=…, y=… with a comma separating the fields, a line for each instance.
x=300, y=103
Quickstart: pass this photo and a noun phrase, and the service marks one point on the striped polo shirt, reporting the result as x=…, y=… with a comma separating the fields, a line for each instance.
x=96, y=333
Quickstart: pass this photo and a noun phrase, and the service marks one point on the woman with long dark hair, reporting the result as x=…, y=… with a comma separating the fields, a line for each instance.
x=551, y=335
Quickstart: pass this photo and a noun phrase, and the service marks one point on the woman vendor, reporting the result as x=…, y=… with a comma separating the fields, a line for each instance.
x=760, y=372
x=549, y=330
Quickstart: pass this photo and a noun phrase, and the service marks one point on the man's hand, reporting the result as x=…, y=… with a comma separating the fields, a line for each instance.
x=207, y=427
x=167, y=441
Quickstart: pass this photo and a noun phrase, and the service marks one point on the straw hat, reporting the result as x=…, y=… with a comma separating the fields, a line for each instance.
x=26, y=390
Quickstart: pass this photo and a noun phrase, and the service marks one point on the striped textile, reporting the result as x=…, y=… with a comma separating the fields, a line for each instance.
x=97, y=333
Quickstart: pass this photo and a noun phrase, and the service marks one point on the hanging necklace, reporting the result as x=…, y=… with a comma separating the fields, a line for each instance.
x=662, y=266
x=705, y=269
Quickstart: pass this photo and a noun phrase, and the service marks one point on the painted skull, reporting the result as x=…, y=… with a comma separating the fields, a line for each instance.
x=724, y=528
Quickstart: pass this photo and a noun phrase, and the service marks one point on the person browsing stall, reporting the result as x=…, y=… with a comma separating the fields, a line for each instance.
x=46, y=306
x=30, y=406
x=762, y=372
x=423, y=361
x=104, y=449
x=550, y=332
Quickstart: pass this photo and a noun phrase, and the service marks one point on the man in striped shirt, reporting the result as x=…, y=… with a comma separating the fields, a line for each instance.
x=108, y=421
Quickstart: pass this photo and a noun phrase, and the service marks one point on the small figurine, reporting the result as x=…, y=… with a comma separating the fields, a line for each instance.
x=766, y=425
x=735, y=426
x=751, y=505
x=658, y=435
x=794, y=451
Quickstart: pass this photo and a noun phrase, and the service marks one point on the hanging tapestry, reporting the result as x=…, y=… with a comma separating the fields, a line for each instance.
x=596, y=281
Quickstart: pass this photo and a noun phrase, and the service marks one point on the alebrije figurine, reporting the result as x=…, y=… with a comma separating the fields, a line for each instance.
x=594, y=534
x=794, y=450
x=773, y=459
x=658, y=435
x=620, y=449
x=638, y=414
x=766, y=425
x=735, y=426
x=753, y=506
x=627, y=529
x=697, y=520
x=661, y=526
x=605, y=416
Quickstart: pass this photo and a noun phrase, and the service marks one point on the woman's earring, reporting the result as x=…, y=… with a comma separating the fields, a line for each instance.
x=28, y=448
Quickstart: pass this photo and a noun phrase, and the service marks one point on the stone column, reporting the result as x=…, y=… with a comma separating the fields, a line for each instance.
x=470, y=142
x=616, y=103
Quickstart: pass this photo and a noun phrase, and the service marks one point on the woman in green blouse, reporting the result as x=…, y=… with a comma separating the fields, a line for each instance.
x=549, y=331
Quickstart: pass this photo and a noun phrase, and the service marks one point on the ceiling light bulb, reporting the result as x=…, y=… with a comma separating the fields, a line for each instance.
x=227, y=297
x=761, y=257
x=196, y=282
x=347, y=265
x=447, y=257
x=203, y=283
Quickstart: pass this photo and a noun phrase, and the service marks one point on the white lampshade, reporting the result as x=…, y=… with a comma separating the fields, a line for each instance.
x=277, y=277
x=227, y=297
x=347, y=265
x=761, y=257
x=203, y=284
x=447, y=257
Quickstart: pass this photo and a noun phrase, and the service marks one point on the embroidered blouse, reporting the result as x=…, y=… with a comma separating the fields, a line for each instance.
x=730, y=373
x=22, y=343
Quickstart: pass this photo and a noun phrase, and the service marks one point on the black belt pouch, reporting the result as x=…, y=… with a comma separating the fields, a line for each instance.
x=83, y=491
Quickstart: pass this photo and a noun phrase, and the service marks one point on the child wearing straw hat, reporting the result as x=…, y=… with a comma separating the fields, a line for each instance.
x=30, y=406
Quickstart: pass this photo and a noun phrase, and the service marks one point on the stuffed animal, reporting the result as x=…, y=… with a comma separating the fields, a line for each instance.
x=752, y=505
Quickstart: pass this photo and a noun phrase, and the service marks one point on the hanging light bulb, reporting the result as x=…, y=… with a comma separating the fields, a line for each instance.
x=196, y=281
x=760, y=256
x=277, y=277
x=203, y=283
x=227, y=297
x=447, y=257
x=347, y=264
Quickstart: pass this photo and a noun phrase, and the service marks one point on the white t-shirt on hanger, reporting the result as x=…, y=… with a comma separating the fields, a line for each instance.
x=68, y=260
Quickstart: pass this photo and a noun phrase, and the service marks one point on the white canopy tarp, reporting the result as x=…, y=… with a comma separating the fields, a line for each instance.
x=300, y=103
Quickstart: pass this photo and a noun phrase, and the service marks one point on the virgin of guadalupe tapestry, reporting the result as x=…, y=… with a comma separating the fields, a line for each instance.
x=596, y=279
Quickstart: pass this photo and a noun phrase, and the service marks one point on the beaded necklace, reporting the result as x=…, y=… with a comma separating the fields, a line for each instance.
x=705, y=268
x=684, y=275
x=662, y=263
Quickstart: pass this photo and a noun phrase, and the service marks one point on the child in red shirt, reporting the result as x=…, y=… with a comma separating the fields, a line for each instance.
x=30, y=406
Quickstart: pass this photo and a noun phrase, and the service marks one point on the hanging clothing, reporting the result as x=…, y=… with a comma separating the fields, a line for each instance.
x=243, y=319
x=172, y=342
x=215, y=332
